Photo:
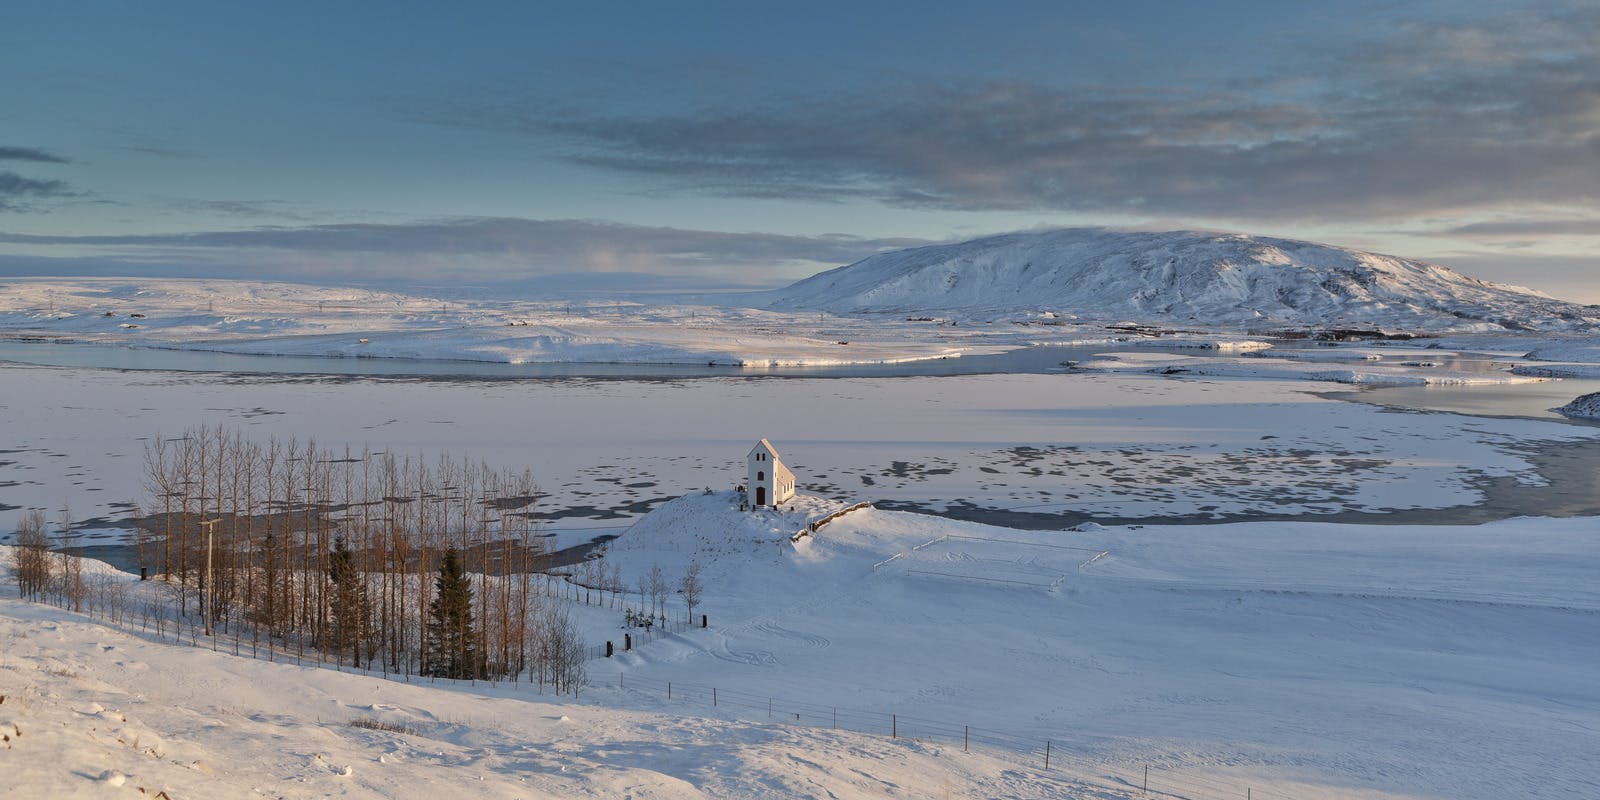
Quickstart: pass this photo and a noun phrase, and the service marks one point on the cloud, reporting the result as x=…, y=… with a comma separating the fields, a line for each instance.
x=1423, y=117
x=30, y=154
x=16, y=189
x=476, y=247
x=1526, y=228
x=253, y=209
x=1567, y=277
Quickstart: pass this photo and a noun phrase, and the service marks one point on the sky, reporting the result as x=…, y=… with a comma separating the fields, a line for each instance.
x=750, y=144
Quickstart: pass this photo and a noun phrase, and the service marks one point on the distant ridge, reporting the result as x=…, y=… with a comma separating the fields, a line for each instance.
x=1179, y=278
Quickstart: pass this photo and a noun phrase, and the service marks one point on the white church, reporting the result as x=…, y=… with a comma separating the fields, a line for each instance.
x=770, y=482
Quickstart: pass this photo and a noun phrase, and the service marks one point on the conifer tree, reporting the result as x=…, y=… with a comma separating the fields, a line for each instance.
x=452, y=644
x=351, y=608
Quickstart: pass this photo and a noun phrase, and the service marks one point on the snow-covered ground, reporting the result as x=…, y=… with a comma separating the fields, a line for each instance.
x=1342, y=365
x=1293, y=660
x=1431, y=660
x=91, y=711
x=298, y=319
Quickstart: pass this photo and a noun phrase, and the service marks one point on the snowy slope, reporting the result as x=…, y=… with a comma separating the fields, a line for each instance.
x=1181, y=277
x=1305, y=661
x=90, y=710
x=1313, y=660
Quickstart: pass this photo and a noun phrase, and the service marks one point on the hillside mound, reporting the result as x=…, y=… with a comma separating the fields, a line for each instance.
x=1584, y=407
x=1182, y=277
x=709, y=528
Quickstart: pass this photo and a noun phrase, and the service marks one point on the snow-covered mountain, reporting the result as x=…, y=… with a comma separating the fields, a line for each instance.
x=1181, y=277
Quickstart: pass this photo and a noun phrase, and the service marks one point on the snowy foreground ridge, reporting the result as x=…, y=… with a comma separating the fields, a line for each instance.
x=1181, y=278
x=1306, y=661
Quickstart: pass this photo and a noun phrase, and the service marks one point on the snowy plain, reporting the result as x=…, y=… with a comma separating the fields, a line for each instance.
x=1290, y=658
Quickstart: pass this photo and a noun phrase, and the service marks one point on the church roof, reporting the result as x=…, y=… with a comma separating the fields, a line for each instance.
x=766, y=446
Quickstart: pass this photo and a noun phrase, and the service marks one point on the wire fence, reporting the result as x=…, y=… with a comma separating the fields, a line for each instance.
x=636, y=635
x=1046, y=753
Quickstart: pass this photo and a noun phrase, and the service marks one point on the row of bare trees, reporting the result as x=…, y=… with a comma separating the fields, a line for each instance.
x=57, y=576
x=43, y=575
x=295, y=547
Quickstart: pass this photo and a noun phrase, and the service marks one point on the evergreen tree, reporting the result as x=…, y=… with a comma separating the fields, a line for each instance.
x=351, y=608
x=452, y=645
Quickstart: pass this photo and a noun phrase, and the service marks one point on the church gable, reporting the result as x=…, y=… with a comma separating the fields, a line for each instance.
x=769, y=482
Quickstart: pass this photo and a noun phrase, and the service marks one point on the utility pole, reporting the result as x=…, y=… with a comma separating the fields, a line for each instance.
x=206, y=588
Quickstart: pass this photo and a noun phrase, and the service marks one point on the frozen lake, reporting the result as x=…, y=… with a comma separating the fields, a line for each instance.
x=1533, y=400
x=1037, y=450
x=1040, y=359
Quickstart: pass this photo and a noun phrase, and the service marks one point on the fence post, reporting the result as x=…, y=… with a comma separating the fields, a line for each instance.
x=769, y=708
x=620, y=681
x=894, y=727
x=966, y=733
x=713, y=697
x=836, y=717
x=1047, y=754
x=669, y=690
x=1147, y=779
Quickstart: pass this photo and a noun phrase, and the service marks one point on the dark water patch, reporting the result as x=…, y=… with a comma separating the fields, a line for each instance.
x=625, y=511
x=1568, y=475
x=513, y=503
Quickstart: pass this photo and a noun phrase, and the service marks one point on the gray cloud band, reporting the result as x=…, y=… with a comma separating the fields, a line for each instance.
x=539, y=244
x=1422, y=119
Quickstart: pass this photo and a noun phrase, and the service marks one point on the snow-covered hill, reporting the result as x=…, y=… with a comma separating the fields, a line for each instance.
x=1585, y=407
x=1183, y=278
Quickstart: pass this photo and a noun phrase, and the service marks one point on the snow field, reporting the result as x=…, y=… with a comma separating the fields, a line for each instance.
x=1304, y=661
x=103, y=712
x=1396, y=660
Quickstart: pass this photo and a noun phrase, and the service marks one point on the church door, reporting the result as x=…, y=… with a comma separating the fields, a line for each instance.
x=761, y=495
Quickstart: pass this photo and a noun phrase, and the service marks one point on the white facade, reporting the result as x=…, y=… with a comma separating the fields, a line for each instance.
x=769, y=482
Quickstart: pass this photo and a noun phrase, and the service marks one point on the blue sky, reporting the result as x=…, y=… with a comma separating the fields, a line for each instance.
x=755, y=143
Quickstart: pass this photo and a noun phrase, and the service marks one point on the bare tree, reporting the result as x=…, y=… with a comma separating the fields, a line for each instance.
x=560, y=654
x=71, y=571
x=658, y=592
x=691, y=588
x=31, y=557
